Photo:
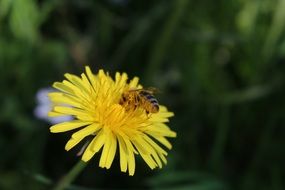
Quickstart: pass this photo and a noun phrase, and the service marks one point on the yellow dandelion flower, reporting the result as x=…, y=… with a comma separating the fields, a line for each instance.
x=94, y=102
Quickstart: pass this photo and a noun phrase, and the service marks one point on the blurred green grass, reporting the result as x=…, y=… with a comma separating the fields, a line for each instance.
x=219, y=64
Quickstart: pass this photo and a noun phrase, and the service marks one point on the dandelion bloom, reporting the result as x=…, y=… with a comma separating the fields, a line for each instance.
x=93, y=101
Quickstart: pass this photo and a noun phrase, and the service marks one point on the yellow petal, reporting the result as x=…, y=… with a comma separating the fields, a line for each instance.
x=108, y=152
x=121, y=80
x=72, y=142
x=158, y=119
x=71, y=111
x=112, y=151
x=154, y=145
x=87, y=131
x=123, y=154
x=131, y=157
x=163, y=141
x=77, y=82
x=68, y=125
x=151, y=148
x=92, y=78
x=162, y=157
x=75, y=90
x=87, y=84
x=164, y=114
x=144, y=154
x=62, y=87
x=60, y=98
x=159, y=129
x=88, y=153
x=99, y=141
x=134, y=82
x=157, y=159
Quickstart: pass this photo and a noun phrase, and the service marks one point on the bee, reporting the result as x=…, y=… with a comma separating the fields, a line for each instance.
x=140, y=98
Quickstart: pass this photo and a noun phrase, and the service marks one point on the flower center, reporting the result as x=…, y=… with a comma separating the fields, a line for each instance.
x=116, y=117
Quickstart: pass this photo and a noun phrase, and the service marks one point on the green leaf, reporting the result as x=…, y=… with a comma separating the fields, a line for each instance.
x=186, y=180
x=5, y=6
x=24, y=20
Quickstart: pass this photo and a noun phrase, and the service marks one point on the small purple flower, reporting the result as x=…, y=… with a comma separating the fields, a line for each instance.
x=44, y=106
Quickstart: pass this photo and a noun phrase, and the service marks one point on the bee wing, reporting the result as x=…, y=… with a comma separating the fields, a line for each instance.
x=153, y=90
x=136, y=89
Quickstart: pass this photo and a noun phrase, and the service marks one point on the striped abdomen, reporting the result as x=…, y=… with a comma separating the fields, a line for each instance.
x=150, y=103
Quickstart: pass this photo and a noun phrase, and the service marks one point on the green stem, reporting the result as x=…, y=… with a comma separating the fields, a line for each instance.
x=220, y=141
x=70, y=176
x=275, y=30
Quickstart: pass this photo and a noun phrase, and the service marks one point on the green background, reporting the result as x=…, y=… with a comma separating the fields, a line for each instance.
x=219, y=65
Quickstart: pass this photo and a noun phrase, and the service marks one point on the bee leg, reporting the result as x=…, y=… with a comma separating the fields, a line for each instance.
x=122, y=100
x=148, y=114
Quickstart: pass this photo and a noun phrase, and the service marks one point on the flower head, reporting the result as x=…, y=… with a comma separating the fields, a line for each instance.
x=94, y=102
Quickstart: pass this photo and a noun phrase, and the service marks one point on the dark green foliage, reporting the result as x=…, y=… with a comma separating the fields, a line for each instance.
x=219, y=64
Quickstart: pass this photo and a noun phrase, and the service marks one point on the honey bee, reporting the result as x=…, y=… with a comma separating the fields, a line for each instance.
x=140, y=98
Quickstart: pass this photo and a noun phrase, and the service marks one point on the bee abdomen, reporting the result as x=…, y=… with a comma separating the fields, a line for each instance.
x=150, y=97
x=153, y=100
